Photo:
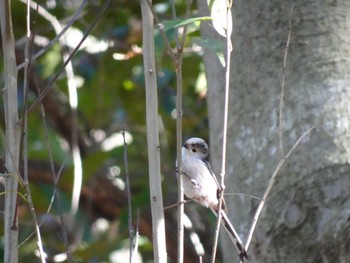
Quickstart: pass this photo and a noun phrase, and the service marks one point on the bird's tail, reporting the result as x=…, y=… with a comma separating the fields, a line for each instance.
x=233, y=236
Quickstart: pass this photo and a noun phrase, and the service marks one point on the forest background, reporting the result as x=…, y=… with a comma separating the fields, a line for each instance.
x=275, y=99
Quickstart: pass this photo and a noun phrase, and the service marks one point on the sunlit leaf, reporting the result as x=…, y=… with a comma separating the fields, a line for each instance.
x=169, y=24
x=222, y=20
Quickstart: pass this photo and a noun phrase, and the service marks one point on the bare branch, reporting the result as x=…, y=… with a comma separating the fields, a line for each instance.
x=136, y=236
x=269, y=187
x=75, y=50
x=28, y=51
x=224, y=129
x=56, y=193
x=280, y=133
x=128, y=192
x=177, y=204
x=179, y=83
x=58, y=36
x=280, y=119
x=162, y=33
x=242, y=194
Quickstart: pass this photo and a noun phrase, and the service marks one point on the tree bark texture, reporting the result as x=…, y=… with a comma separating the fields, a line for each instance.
x=306, y=217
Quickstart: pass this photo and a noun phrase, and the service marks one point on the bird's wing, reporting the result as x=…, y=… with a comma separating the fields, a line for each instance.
x=207, y=164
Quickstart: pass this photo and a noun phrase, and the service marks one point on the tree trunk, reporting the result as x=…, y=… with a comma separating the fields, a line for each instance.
x=304, y=219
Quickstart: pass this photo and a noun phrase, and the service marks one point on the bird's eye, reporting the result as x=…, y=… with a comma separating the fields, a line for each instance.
x=194, y=150
x=192, y=145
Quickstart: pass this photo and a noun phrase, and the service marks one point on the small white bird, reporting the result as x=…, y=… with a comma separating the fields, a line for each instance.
x=201, y=185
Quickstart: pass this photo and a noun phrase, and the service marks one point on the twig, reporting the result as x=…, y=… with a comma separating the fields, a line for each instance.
x=73, y=102
x=49, y=207
x=280, y=125
x=179, y=83
x=268, y=189
x=280, y=133
x=128, y=192
x=180, y=189
x=242, y=194
x=224, y=132
x=58, y=36
x=161, y=30
x=136, y=236
x=55, y=176
x=28, y=50
x=72, y=54
x=177, y=204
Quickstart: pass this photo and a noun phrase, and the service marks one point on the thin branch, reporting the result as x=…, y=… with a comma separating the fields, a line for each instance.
x=179, y=84
x=280, y=119
x=28, y=50
x=224, y=129
x=173, y=12
x=17, y=175
x=162, y=33
x=72, y=54
x=128, y=192
x=242, y=194
x=49, y=207
x=269, y=187
x=177, y=204
x=73, y=102
x=56, y=193
x=280, y=133
x=136, y=236
x=58, y=36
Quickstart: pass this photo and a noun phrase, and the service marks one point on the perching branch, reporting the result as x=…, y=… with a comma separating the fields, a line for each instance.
x=179, y=83
x=224, y=129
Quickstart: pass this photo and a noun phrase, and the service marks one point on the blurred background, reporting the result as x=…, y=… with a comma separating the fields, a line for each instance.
x=109, y=82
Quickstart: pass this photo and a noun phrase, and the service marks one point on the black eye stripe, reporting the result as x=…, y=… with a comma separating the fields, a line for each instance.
x=200, y=146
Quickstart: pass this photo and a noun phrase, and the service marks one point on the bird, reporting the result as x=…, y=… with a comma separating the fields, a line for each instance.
x=201, y=185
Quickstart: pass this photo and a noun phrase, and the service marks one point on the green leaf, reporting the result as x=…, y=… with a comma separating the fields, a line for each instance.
x=170, y=24
x=209, y=43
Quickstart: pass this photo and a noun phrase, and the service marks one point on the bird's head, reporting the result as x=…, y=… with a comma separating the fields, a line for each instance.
x=196, y=147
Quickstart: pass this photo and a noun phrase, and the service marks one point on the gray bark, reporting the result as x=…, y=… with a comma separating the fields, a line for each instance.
x=9, y=91
x=306, y=217
x=158, y=230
